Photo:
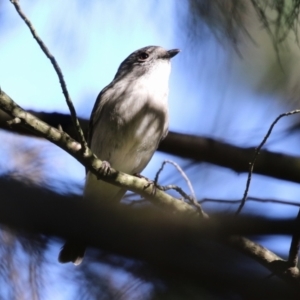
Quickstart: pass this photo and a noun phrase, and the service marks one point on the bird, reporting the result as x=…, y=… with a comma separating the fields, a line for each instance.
x=129, y=119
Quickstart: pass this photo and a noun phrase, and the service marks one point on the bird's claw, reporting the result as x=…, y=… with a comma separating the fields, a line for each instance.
x=104, y=169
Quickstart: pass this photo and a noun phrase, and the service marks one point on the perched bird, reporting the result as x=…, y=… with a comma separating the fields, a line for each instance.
x=129, y=119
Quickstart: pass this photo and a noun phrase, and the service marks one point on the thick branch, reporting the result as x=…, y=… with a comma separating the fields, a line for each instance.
x=268, y=163
x=267, y=258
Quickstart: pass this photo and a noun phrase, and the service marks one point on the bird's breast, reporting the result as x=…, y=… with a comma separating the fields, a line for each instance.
x=133, y=121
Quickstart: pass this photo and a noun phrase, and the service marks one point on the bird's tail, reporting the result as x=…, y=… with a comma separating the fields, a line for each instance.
x=72, y=252
x=97, y=191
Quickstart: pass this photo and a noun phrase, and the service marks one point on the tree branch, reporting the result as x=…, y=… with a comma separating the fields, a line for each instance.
x=203, y=149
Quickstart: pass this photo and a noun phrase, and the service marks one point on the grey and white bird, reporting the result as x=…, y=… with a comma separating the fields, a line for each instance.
x=129, y=119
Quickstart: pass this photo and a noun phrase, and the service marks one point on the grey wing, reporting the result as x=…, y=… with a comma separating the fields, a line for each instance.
x=164, y=135
x=96, y=113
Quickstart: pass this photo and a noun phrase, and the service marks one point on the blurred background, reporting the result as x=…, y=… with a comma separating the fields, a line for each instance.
x=237, y=71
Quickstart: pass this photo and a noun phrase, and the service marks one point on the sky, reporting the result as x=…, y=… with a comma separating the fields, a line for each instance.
x=213, y=90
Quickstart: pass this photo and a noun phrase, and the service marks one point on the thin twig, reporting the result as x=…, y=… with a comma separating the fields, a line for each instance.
x=175, y=188
x=158, y=172
x=182, y=173
x=255, y=199
x=192, y=198
x=295, y=246
x=58, y=72
x=185, y=196
x=256, y=153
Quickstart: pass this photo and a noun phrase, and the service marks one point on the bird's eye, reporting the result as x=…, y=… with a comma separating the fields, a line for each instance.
x=143, y=56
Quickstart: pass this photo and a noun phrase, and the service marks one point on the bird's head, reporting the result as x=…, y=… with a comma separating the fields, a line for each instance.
x=145, y=59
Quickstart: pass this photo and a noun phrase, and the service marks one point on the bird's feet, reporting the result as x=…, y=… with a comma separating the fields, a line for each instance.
x=105, y=168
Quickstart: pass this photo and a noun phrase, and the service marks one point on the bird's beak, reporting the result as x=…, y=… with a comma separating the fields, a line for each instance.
x=173, y=52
